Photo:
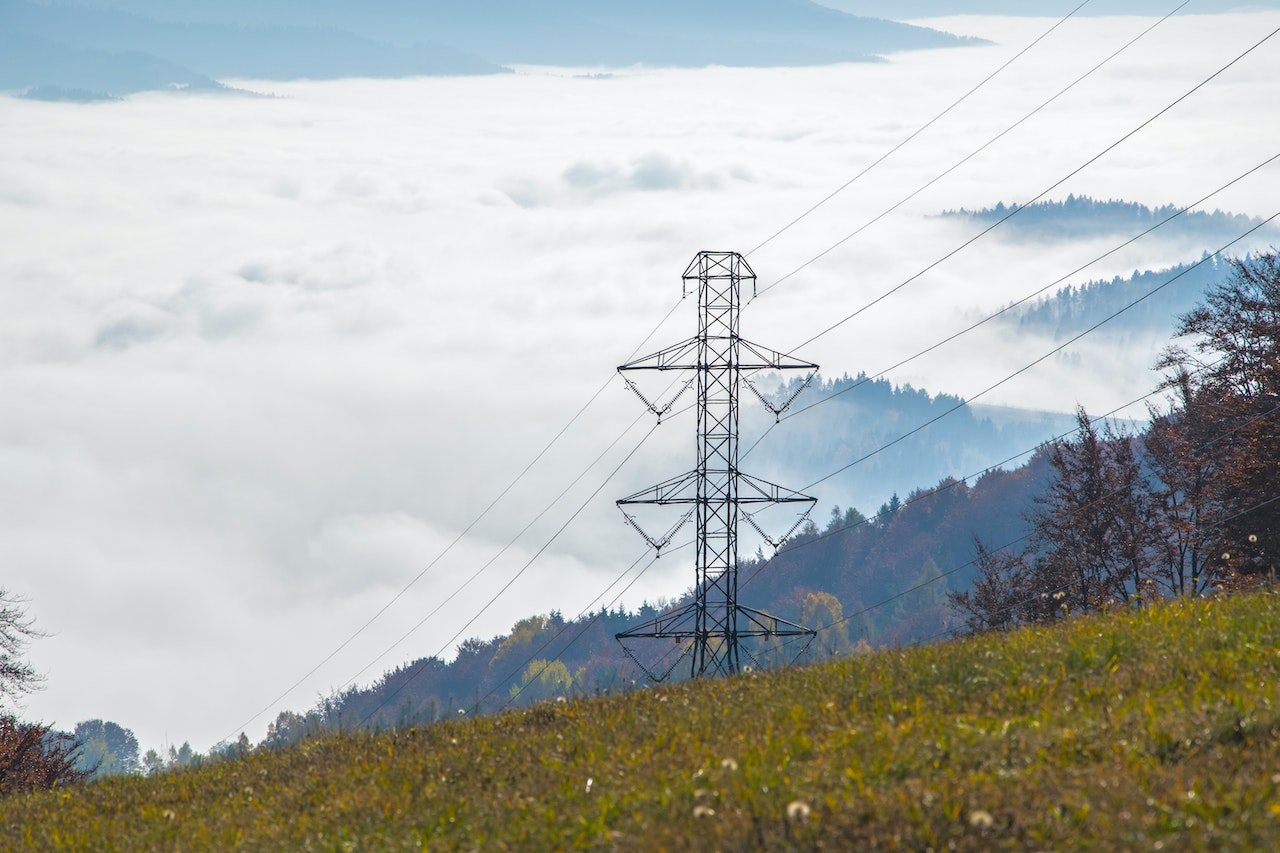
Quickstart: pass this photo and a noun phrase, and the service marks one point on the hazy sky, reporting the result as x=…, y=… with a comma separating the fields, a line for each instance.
x=263, y=358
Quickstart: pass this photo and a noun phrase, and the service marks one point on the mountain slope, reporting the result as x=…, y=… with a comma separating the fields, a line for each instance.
x=1132, y=730
x=908, y=9
x=92, y=48
x=566, y=32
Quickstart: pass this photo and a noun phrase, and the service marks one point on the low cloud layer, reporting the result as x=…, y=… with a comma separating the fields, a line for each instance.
x=264, y=358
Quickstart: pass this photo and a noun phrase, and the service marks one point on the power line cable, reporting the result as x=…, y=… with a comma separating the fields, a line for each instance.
x=1077, y=337
x=1042, y=358
x=954, y=483
x=588, y=610
x=510, y=544
x=918, y=131
x=1027, y=537
x=962, y=404
x=1018, y=209
x=1052, y=352
x=973, y=153
x=590, y=401
x=864, y=380
x=493, y=599
x=1023, y=602
x=555, y=439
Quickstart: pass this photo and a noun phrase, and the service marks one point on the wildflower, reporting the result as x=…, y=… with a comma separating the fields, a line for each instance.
x=589, y=781
x=798, y=810
x=981, y=819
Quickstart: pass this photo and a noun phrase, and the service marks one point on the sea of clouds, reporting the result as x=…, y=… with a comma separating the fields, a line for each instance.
x=264, y=358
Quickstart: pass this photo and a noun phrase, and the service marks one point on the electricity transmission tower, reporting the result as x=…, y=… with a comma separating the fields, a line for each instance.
x=715, y=493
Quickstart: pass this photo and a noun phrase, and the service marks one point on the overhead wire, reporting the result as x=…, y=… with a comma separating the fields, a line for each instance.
x=1080, y=335
x=511, y=543
x=918, y=131
x=953, y=483
x=862, y=380
x=1025, y=537
x=1038, y=593
x=1057, y=349
x=593, y=617
x=1021, y=370
x=484, y=513
x=1018, y=209
x=555, y=439
x=1109, y=148
x=550, y=541
x=795, y=221
x=972, y=154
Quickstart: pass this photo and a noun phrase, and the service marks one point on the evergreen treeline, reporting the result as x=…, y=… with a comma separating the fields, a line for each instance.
x=1078, y=217
x=1075, y=308
x=841, y=420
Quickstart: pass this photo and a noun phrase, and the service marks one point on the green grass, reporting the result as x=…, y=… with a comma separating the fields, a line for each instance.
x=1125, y=731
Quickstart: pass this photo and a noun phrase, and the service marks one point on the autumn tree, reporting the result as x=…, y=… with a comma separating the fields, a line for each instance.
x=106, y=749
x=1092, y=533
x=1001, y=592
x=824, y=613
x=1234, y=359
x=1184, y=454
x=17, y=676
x=32, y=755
x=542, y=680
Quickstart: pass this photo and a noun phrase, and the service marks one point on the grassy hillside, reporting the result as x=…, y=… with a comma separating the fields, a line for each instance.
x=1120, y=731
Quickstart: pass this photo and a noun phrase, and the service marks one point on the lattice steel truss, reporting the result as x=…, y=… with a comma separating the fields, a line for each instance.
x=717, y=494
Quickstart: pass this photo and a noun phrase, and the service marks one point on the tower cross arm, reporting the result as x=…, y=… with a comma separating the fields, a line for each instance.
x=677, y=490
x=757, y=357
x=681, y=356
x=754, y=490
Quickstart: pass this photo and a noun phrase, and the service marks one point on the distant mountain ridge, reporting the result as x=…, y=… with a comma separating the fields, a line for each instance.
x=285, y=39
x=838, y=421
x=899, y=10
x=1074, y=308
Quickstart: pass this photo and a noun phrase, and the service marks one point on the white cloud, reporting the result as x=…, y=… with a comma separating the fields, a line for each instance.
x=262, y=357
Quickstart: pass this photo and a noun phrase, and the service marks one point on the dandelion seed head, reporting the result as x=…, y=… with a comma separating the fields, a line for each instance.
x=799, y=811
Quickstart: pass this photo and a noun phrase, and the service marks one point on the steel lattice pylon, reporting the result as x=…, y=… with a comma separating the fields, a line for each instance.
x=716, y=493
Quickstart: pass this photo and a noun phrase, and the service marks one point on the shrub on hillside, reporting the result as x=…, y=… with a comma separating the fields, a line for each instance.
x=32, y=756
